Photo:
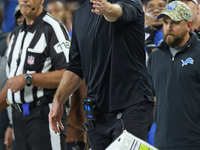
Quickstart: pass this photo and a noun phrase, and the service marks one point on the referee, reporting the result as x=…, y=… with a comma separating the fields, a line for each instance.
x=37, y=58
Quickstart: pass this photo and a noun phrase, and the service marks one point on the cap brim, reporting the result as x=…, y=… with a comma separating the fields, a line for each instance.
x=160, y=16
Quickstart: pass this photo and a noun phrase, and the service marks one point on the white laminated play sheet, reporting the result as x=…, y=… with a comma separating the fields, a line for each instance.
x=127, y=141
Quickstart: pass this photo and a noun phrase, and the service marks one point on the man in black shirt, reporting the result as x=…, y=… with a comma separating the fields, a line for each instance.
x=175, y=74
x=108, y=51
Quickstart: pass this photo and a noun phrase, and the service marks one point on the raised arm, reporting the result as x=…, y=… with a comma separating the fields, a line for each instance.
x=110, y=11
x=3, y=96
x=122, y=10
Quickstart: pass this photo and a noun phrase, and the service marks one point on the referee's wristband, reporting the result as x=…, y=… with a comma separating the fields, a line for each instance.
x=8, y=102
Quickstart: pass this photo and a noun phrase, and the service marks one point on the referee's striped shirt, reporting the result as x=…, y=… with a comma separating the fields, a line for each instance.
x=42, y=47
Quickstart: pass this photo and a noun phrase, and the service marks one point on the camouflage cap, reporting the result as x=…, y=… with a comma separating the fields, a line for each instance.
x=177, y=11
x=195, y=1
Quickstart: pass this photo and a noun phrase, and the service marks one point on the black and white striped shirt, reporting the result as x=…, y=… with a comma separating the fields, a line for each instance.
x=44, y=47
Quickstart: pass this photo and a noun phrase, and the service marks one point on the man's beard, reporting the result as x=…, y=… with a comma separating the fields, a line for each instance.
x=174, y=40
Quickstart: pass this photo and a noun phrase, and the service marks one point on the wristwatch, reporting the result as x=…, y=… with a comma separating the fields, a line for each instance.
x=28, y=79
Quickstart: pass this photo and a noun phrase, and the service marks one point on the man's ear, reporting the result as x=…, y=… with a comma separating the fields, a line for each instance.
x=197, y=6
x=189, y=24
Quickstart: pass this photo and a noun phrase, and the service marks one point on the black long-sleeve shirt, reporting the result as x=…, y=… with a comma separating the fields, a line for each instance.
x=176, y=81
x=110, y=56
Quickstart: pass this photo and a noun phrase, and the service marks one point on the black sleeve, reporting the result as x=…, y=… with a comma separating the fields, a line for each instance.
x=131, y=10
x=149, y=68
x=74, y=64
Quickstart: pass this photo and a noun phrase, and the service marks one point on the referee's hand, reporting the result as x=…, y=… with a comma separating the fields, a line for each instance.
x=55, y=116
x=16, y=83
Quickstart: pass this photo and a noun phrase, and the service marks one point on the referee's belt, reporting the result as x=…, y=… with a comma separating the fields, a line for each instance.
x=39, y=102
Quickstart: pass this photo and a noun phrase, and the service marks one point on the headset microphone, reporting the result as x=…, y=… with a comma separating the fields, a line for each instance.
x=36, y=6
x=33, y=9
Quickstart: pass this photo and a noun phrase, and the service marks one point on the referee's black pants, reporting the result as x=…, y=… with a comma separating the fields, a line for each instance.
x=33, y=132
x=137, y=120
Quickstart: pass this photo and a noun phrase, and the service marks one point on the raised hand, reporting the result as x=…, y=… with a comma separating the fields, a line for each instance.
x=101, y=7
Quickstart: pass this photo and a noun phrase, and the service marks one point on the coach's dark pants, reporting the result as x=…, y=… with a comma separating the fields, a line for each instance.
x=137, y=120
x=33, y=132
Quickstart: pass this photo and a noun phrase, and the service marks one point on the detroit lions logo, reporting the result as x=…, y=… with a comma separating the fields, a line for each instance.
x=172, y=6
x=187, y=61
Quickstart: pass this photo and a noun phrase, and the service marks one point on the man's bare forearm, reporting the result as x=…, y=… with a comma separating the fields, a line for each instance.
x=110, y=11
x=113, y=13
x=69, y=83
x=3, y=96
